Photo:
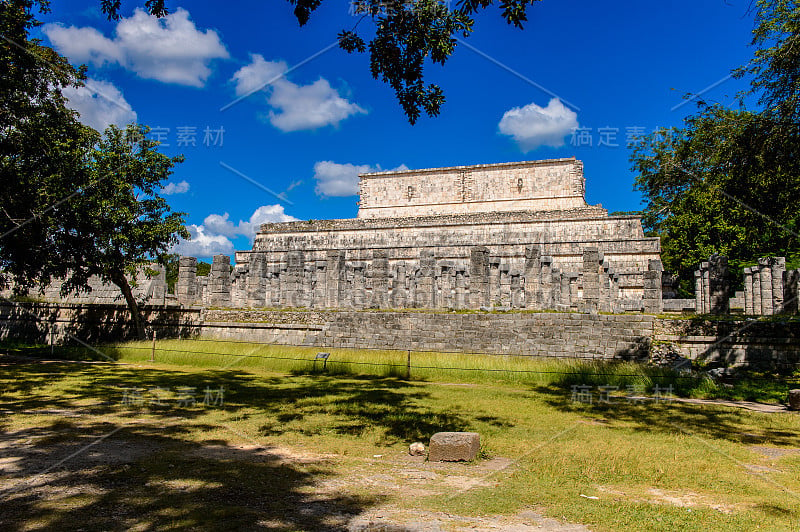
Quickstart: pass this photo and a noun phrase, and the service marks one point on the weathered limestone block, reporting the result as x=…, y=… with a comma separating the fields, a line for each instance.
x=698, y=292
x=532, y=276
x=335, y=273
x=777, y=267
x=705, y=268
x=517, y=295
x=399, y=296
x=765, y=276
x=424, y=293
x=454, y=447
x=494, y=281
x=479, y=276
x=380, y=279
x=546, y=283
x=748, y=291
x=756, y=291
x=591, y=279
x=320, y=285
x=256, y=286
x=220, y=281
x=790, y=291
x=186, y=289
x=794, y=399
x=555, y=287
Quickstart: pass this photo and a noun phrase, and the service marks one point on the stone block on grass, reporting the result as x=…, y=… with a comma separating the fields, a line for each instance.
x=794, y=399
x=454, y=446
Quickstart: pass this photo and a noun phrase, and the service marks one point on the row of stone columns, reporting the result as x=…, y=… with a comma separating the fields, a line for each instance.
x=711, y=287
x=768, y=287
x=764, y=286
x=482, y=281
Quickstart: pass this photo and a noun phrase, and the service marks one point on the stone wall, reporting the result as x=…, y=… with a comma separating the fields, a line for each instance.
x=549, y=185
x=760, y=344
x=91, y=323
x=550, y=334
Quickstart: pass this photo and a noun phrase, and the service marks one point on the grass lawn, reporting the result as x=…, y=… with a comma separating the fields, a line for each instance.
x=100, y=446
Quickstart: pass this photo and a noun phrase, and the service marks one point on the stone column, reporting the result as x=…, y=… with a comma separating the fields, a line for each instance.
x=380, y=279
x=505, y=285
x=777, y=267
x=748, y=291
x=791, y=281
x=555, y=288
x=704, y=268
x=423, y=294
x=517, y=300
x=494, y=281
x=532, y=275
x=574, y=294
x=698, y=292
x=358, y=288
x=398, y=298
x=591, y=279
x=220, y=280
x=186, y=289
x=294, y=285
x=756, y=291
x=718, y=289
x=335, y=272
x=320, y=296
x=256, y=292
x=546, y=283
x=765, y=275
x=461, y=287
x=605, y=285
x=652, y=288
x=444, y=291
x=565, y=289
x=479, y=277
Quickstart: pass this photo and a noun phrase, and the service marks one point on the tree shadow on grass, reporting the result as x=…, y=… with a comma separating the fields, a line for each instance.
x=355, y=404
x=147, y=476
x=648, y=415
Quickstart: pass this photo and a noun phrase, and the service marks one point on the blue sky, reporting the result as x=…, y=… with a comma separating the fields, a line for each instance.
x=293, y=150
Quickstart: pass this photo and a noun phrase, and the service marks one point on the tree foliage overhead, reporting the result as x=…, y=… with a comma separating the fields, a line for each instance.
x=43, y=149
x=73, y=203
x=407, y=34
x=728, y=181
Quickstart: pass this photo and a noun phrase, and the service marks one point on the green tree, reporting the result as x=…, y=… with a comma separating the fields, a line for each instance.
x=72, y=203
x=123, y=224
x=727, y=182
x=407, y=35
x=43, y=149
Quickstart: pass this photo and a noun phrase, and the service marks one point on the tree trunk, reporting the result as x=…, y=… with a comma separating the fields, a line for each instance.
x=122, y=282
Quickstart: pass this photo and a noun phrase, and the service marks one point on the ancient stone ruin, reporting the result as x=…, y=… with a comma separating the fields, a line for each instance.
x=512, y=235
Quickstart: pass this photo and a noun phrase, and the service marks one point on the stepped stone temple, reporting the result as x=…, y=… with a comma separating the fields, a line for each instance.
x=512, y=235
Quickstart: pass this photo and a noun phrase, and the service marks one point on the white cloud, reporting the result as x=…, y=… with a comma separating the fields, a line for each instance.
x=100, y=104
x=171, y=49
x=533, y=126
x=203, y=245
x=309, y=107
x=294, y=107
x=181, y=187
x=213, y=236
x=222, y=225
x=340, y=180
x=257, y=75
